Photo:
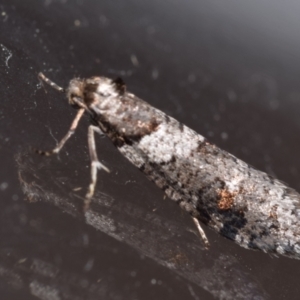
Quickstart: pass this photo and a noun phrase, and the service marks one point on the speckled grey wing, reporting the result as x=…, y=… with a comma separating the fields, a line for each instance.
x=239, y=202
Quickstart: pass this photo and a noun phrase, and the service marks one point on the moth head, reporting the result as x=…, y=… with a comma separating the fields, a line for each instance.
x=75, y=92
x=84, y=92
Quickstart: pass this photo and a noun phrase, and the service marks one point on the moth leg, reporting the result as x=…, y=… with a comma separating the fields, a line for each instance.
x=202, y=233
x=174, y=195
x=191, y=210
x=95, y=165
x=66, y=137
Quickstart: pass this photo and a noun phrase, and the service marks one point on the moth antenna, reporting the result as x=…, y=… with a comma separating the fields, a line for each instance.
x=42, y=77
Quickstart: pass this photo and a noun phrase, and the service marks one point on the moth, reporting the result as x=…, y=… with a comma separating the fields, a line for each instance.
x=217, y=189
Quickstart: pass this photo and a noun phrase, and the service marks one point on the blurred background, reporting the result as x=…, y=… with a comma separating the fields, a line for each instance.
x=227, y=69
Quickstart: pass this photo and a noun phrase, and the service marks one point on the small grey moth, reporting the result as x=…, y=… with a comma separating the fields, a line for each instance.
x=214, y=187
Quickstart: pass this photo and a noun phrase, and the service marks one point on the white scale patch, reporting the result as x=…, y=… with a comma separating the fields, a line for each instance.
x=165, y=142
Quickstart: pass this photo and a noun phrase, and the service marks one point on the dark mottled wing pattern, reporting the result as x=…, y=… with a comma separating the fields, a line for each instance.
x=243, y=204
x=239, y=202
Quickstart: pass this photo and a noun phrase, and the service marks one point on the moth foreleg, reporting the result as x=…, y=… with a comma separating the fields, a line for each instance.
x=66, y=137
x=201, y=232
x=95, y=165
x=188, y=207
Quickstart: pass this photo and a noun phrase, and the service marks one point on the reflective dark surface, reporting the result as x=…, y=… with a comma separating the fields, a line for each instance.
x=228, y=70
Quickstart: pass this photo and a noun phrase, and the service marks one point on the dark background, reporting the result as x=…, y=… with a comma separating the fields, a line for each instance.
x=228, y=69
